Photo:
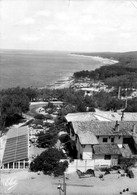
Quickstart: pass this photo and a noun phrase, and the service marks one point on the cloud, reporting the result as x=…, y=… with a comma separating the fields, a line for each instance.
x=29, y=38
x=45, y=13
x=51, y=27
x=88, y=24
x=63, y=16
x=27, y=21
x=32, y=20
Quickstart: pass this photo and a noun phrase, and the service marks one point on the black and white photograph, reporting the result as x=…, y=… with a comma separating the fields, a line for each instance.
x=68, y=97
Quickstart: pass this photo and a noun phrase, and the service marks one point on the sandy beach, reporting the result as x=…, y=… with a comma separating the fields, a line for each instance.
x=67, y=81
x=98, y=58
x=31, y=183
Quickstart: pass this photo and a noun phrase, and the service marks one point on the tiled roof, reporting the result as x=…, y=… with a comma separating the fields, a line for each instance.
x=101, y=116
x=81, y=116
x=115, y=116
x=87, y=138
x=135, y=138
x=103, y=128
x=130, y=116
x=126, y=151
x=106, y=149
x=107, y=116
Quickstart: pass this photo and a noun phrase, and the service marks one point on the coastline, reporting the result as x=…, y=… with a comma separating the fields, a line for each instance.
x=37, y=73
x=61, y=84
x=97, y=58
x=68, y=80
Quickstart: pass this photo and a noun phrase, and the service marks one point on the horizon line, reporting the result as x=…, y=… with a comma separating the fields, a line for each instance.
x=38, y=50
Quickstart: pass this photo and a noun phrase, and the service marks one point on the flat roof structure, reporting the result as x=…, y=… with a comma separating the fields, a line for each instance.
x=81, y=116
x=100, y=116
x=17, y=144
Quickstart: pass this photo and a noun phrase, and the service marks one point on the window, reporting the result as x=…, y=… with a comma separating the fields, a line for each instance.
x=112, y=139
x=105, y=139
x=83, y=145
x=107, y=157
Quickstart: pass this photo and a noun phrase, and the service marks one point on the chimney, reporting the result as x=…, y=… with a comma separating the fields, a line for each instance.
x=117, y=126
x=126, y=103
x=134, y=129
x=122, y=116
x=119, y=96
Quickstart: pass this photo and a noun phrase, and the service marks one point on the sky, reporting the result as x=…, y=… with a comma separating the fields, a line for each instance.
x=69, y=25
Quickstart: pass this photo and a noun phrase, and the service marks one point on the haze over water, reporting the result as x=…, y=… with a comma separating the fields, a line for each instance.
x=40, y=68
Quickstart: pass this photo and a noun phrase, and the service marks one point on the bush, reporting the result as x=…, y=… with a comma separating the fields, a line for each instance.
x=47, y=139
x=39, y=116
x=60, y=168
x=48, y=117
x=49, y=162
x=37, y=122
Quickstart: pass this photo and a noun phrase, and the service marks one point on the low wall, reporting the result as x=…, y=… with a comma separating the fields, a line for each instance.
x=84, y=165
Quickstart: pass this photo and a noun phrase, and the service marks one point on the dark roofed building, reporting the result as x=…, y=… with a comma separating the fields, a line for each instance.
x=111, y=149
x=102, y=141
x=104, y=128
x=106, y=154
x=16, y=153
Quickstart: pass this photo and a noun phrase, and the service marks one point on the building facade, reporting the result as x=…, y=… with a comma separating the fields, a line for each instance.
x=103, y=142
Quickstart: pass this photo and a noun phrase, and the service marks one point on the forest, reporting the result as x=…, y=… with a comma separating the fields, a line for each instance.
x=123, y=73
x=15, y=101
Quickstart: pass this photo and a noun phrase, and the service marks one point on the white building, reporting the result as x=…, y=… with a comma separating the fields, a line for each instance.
x=103, y=141
x=89, y=91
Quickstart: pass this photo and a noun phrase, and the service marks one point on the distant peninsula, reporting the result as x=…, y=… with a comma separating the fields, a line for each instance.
x=121, y=73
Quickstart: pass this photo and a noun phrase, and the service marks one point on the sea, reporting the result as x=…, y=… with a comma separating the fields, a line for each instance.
x=40, y=69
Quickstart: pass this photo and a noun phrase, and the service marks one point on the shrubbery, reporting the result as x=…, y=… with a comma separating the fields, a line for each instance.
x=47, y=139
x=13, y=102
x=123, y=73
x=131, y=105
x=49, y=162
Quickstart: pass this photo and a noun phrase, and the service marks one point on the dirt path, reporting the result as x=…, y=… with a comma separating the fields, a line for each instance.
x=31, y=183
x=33, y=108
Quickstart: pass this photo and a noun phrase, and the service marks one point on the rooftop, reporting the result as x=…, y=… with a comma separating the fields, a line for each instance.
x=87, y=138
x=103, y=128
x=81, y=116
x=111, y=149
x=116, y=116
x=16, y=146
x=89, y=89
x=16, y=132
x=99, y=115
x=135, y=138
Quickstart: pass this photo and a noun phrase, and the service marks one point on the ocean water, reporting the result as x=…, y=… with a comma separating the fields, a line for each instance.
x=39, y=69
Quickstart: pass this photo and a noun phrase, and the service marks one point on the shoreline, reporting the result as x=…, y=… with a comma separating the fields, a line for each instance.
x=68, y=80
x=97, y=58
x=60, y=84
